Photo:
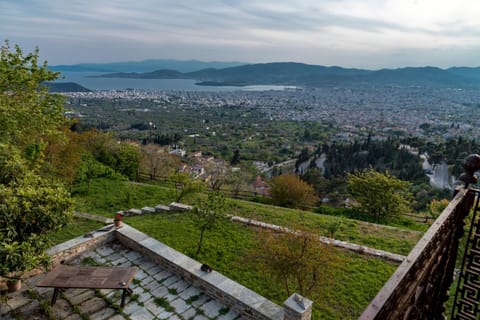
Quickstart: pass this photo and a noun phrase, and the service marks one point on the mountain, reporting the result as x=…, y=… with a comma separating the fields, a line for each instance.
x=470, y=73
x=65, y=87
x=300, y=74
x=144, y=66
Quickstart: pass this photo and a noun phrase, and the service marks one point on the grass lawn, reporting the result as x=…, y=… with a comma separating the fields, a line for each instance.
x=106, y=196
x=355, y=280
x=77, y=227
x=227, y=249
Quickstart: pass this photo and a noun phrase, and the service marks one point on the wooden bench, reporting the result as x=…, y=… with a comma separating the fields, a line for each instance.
x=64, y=277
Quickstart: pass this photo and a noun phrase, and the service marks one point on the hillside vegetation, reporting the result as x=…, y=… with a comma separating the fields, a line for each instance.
x=229, y=247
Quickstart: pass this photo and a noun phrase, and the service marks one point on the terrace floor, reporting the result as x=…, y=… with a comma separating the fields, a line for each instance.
x=157, y=294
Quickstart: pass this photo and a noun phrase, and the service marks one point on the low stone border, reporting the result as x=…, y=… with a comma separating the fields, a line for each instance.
x=241, y=299
x=337, y=243
x=71, y=249
x=92, y=217
x=178, y=207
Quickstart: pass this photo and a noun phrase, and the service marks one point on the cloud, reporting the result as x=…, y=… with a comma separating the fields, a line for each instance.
x=232, y=29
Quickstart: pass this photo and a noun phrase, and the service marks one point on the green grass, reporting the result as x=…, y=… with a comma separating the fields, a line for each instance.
x=382, y=237
x=106, y=196
x=77, y=227
x=226, y=249
x=122, y=195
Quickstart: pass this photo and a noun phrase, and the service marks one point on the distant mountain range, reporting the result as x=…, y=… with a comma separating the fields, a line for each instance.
x=299, y=74
x=145, y=66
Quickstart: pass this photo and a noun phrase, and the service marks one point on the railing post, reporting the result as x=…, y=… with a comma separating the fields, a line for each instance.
x=297, y=308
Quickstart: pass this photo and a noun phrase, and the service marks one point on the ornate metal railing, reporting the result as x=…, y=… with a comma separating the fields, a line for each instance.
x=467, y=296
x=419, y=287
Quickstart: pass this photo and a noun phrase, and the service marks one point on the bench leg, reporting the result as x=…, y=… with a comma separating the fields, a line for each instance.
x=54, y=297
x=126, y=291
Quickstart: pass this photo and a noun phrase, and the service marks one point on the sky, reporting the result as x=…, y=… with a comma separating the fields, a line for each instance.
x=368, y=34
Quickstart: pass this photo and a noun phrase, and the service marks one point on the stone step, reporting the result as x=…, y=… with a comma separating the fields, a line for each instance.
x=148, y=210
x=175, y=206
x=134, y=211
x=162, y=208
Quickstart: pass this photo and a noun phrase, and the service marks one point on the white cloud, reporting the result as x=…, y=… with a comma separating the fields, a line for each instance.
x=331, y=30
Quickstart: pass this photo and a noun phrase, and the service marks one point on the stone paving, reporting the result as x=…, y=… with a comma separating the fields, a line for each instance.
x=157, y=294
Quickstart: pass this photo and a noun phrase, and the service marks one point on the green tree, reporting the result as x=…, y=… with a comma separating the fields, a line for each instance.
x=236, y=157
x=290, y=191
x=435, y=207
x=28, y=112
x=32, y=203
x=185, y=185
x=127, y=160
x=207, y=214
x=31, y=207
x=379, y=195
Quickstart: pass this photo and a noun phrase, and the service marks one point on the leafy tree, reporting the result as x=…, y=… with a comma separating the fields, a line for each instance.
x=379, y=195
x=207, y=214
x=236, y=157
x=296, y=259
x=290, y=191
x=31, y=207
x=437, y=206
x=127, y=160
x=23, y=98
x=32, y=203
x=185, y=185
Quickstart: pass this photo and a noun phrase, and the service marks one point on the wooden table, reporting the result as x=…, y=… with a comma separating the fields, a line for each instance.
x=63, y=277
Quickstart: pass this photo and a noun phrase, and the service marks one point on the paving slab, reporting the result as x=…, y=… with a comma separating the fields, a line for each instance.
x=62, y=309
x=180, y=305
x=212, y=308
x=92, y=306
x=142, y=314
x=151, y=282
x=103, y=314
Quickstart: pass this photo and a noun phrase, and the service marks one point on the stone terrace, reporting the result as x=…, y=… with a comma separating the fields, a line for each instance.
x=157, y=294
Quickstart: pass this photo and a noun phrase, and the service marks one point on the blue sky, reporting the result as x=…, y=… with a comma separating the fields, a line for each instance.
x=352, y=33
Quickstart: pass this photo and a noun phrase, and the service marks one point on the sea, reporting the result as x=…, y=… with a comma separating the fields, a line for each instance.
x=89, y=81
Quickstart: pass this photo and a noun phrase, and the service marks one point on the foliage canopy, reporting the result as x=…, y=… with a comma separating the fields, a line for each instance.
x=290, y=191
x=380, y=195
x=32, y=203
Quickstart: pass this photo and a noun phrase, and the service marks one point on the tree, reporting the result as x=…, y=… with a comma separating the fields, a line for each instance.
x=207, y=214
x=236, y=157
x=23, y=98
x=436, y=207
x=290, y=191
x=296, y=259
x=379, y=195
x=31, y=207
x=127, y=160
x=185, y=185
x=217, y=174
x=33, y=203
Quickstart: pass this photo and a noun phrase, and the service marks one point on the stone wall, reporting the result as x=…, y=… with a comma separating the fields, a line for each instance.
x=241, y=299
x=71, y=249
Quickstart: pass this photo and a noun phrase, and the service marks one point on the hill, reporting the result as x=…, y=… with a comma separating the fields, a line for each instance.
x=299, y=74
x=144, y=66
x=65, y=87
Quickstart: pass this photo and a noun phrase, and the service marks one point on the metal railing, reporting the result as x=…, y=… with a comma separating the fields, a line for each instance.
x=419, y=287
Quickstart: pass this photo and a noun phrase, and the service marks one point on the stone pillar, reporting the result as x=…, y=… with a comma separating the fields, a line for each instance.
x=298, y=308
